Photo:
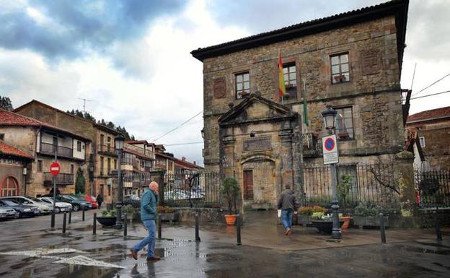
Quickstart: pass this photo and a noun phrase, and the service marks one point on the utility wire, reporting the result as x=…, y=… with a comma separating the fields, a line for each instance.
x=431, y=95
x=432, y=84
x=185, y=122
x=188, y=143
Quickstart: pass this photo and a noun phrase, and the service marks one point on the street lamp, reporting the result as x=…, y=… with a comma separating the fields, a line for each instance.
x=329, y=119
x=119, y=142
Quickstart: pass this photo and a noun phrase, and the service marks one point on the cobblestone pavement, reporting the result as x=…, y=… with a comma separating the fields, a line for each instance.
x=30, y=249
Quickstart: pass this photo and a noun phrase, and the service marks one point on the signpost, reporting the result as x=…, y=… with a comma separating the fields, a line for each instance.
x=330, y=152
x=55, y=168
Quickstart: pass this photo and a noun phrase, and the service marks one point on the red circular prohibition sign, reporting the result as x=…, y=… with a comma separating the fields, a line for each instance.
x=329, y=144
x=55, y=168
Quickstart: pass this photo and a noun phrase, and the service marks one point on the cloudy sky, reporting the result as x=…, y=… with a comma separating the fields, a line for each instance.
x=130, y=59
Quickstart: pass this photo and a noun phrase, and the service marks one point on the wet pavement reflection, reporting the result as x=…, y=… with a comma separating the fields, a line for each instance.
x=30, y=249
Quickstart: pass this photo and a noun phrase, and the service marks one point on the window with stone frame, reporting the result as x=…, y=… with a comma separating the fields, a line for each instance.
x=340, y=70
x=39, y=166
x=344, y=123
x=79, y=146
x=290, y=80
x=242, y=84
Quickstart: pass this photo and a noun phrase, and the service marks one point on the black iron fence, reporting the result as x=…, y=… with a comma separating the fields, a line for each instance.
x=191, y=190
x=371, y=184
x=433, y=188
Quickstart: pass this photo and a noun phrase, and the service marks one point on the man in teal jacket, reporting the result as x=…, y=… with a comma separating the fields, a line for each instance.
x=149, y=213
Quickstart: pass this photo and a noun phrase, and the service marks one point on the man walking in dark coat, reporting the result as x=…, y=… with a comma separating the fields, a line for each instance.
x=288, y=205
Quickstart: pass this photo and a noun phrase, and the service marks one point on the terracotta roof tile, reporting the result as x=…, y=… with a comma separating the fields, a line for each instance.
x=10, y=150
x=428, y=115
x=10, y=118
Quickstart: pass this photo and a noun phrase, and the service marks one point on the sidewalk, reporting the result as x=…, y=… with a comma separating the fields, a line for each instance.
x=265, y=252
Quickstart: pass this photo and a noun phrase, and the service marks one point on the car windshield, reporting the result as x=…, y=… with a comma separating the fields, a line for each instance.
x=10, y=203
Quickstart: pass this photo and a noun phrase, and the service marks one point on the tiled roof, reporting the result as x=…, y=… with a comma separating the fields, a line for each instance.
x=13, y=119
x=13, y=151
x=434, y=114
x=398, y=8
x=8, y=118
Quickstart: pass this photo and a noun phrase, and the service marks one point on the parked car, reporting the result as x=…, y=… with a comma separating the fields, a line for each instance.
x=59, y=206
x=92, y=200
x=23, y=210
x=132, y=200
x=76, y=203
x=44, y=208
x=7, y=212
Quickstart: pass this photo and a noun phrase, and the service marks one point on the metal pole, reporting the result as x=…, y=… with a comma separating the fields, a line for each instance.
x=94, y=224
x=438, y=226
x=125, y=225
x=64, y=223
x=52, y=224
x=336, y=232
x=382, y=228
x=197, y=234
x=238, y=230
x=120, y=189
x=70, y=216
x=159, y=228
x=83, y=216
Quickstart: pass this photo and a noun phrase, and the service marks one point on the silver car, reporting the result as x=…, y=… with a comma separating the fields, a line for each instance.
x=44, y=208
x=8, y=213
x=59, y=206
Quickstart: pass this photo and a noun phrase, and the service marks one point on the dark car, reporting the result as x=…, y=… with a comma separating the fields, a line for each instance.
x=7, y=212
x=23, y=210
x=76, y=203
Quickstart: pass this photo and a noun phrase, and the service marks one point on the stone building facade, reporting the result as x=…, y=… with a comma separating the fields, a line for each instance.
x=41, y=141
x=14, y=165
x=431, y=129
x=101, y=153
x=350, y=61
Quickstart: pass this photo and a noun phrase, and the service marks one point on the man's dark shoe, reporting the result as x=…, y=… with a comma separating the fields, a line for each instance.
x=134, y=254
x=153, y=259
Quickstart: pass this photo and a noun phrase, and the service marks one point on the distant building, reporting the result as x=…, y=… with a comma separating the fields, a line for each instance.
x=431, y=131
x=14, y=167
x=350, y=61
x=41, y=142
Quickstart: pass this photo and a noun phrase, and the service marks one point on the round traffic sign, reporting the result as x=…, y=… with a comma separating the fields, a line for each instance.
x=329, y=144
x=55, y=168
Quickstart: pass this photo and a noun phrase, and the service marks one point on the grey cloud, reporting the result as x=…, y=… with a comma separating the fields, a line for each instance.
x=266, y=15
x=81, y=26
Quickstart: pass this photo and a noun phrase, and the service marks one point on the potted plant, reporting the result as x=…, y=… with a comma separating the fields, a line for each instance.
x=368, y=215
x=108, y=218
x=166, y=213
x=343, y=190
x=323, y=222
x=230, y=192
x=305, y=214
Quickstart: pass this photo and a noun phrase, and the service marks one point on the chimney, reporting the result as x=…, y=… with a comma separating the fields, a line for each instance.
x=183, y=158
x=195, y=163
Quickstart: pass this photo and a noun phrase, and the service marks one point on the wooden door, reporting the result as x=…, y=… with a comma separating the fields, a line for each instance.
x=248, y=184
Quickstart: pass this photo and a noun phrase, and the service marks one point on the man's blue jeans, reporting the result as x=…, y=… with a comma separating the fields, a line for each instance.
x=286, y=218
x=150, y=225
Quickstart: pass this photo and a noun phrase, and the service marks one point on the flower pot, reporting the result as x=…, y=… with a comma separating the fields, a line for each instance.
x=324, y=226
x=346, y=223
x=230, y=219
x=108, y=221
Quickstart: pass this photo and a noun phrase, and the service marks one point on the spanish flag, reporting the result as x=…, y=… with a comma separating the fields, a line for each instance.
x=281, y=86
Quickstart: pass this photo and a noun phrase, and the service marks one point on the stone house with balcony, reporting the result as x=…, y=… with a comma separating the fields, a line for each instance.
x=14, y=165
x=350, y=61
x=42, y=141
x=102, y=157
x=137, y=162
x=429, y=133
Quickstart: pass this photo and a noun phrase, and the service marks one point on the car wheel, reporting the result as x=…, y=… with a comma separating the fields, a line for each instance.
x=57, y=210
x=76, y=207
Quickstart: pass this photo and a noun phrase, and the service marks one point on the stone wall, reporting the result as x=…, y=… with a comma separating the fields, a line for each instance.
x=373, y=91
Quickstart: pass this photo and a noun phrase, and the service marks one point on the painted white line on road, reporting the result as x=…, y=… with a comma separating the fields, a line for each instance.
x=46, y=253
x=83, y=260
x=40, y=252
